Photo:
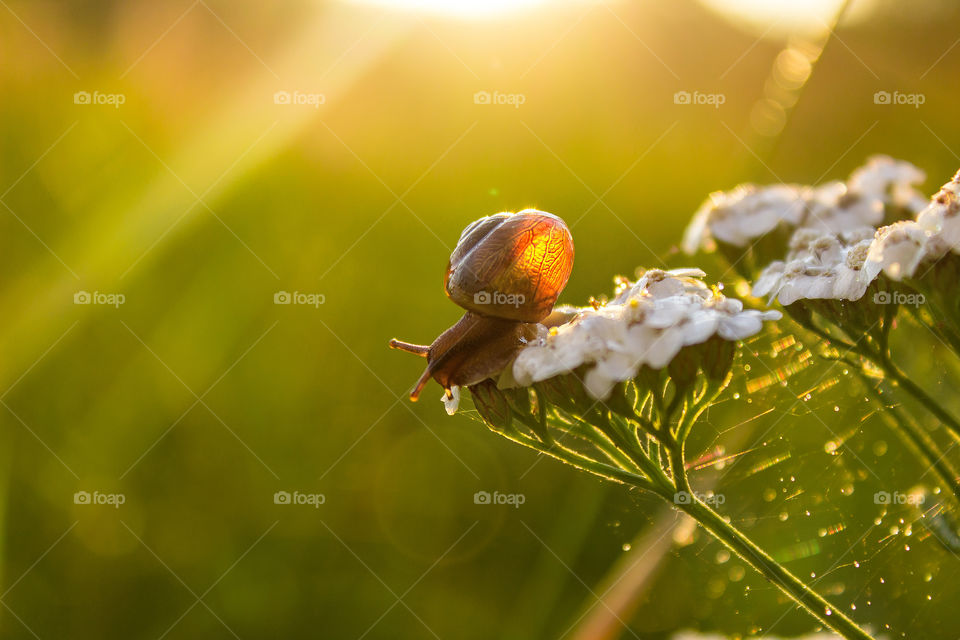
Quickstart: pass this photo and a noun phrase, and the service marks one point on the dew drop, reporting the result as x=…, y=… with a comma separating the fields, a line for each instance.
x=783, y=516
x=626, y=546
x=716, y=587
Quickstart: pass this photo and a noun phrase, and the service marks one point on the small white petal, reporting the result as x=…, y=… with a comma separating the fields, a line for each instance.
x=738, y=327
x=769, y=280
x=700, y=327
x=453, y=402
x=598, y=384
x=657, y=347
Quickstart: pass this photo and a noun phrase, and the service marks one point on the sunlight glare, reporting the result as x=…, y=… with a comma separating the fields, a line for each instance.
x=459, y=8
x=776, y=17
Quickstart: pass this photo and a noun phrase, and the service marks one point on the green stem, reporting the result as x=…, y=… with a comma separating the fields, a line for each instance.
x=923, y=445
x=581, y=462
x=641, y=461
x=773, y=571
x=692, y=413
x=922, y=396
x=756, y=557
x=943, y=331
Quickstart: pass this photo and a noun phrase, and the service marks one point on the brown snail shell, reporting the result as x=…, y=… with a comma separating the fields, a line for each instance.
x=507, y=271
x=511, y=265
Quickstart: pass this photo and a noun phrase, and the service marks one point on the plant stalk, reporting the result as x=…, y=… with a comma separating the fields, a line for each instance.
x=749, y=552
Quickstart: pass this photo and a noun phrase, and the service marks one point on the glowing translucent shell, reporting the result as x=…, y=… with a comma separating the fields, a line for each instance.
x=511, y=265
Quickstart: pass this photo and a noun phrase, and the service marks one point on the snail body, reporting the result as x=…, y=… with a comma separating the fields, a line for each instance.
x=507, y=271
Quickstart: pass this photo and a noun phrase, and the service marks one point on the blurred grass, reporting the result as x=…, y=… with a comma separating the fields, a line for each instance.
x=318, y=404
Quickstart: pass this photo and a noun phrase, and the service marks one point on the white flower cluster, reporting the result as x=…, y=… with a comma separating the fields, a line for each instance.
x=900, y=248
x=748, y=212
x=737, y=217
x=647, y=323
x=819, y=265
x=840, y=263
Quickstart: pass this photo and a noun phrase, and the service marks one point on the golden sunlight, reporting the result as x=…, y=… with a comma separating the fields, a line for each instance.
x=459, y=8
x=777, y=17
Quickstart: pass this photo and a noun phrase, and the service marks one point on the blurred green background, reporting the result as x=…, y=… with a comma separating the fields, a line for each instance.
x=204, y=194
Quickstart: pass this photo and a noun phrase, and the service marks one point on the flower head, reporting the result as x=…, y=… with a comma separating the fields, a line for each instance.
x=819, y=265
x=900, y=248
x=747, y=212
x=941, y=217
x=896, y=250
x=835, y=207
x=890, y=180
x=648, y=323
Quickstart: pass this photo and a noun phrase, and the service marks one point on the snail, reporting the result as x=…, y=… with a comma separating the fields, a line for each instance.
x=507, y=271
